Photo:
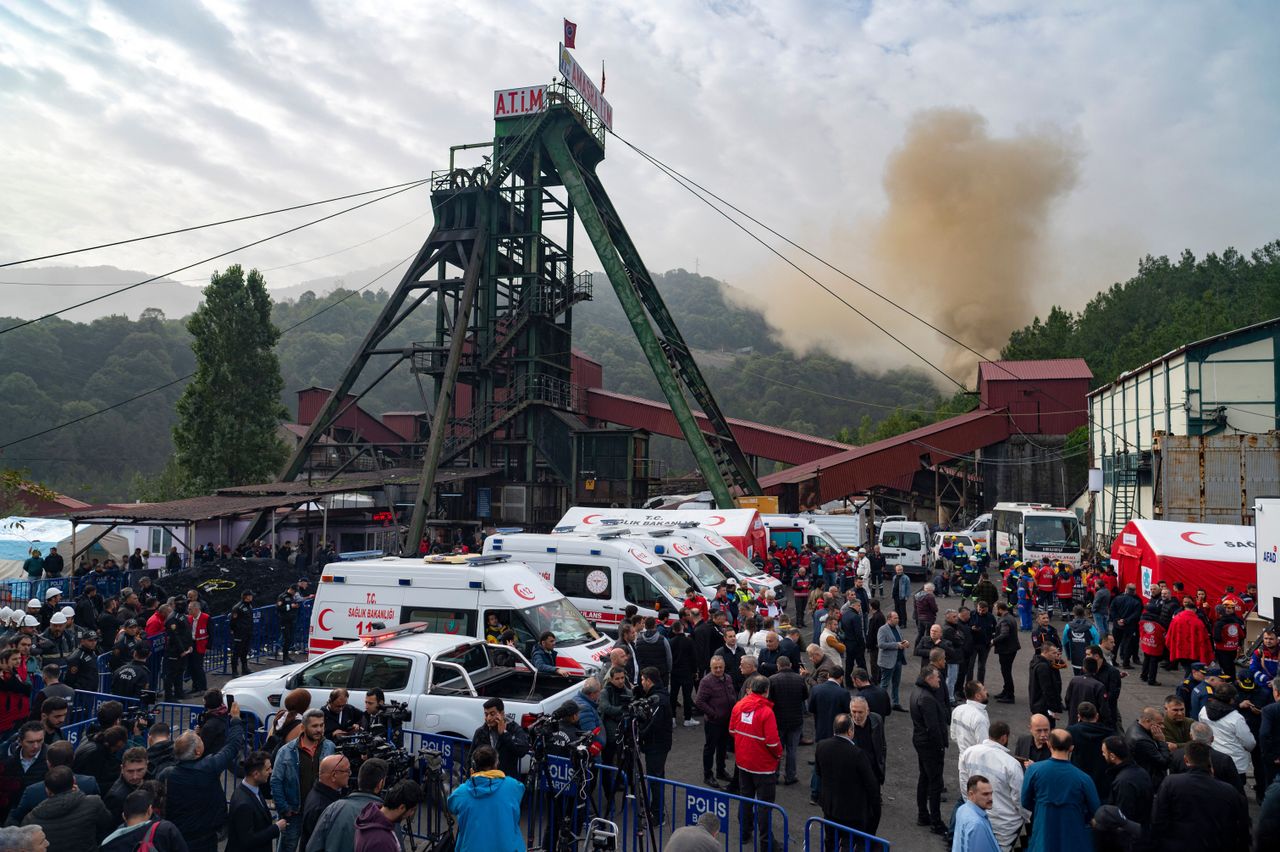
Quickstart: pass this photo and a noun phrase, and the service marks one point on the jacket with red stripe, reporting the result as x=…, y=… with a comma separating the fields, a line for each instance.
x=1065, y=584
x=1046, y=580
x=1228, y=633
x=756, y=744
x=200, y=632
x=1188, y=638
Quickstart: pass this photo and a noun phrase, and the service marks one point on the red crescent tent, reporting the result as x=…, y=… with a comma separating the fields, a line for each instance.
x=1200, y=556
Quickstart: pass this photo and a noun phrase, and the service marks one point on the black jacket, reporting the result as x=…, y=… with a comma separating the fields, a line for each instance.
x=683, y=666
x=1128, y=608
x=195, y=794
x=706, y=640
x=652, y=649
x=1149, y=754
x=1045, y=689
x=318, y=799
x=855, y=636
x=1086, y=753
x=177, y=637
x=1109, y=676
x=1083, y=688
x=1006, y=637
x=93, y=757
x=250, y=827
x=159, y=758
x=850, y=791
x=788, y=692
x=655, y=736
x=71, y=820
x=82, y=670
x=954, y=638
x=511, y=746
x=928, y=720
x=114, y=800
x=1224, y=768
x=1131, y=791
x=339, y=720
x=1026, y=748
x=733, y=663
x=241, y=620
x=877, y=700
x=1195, y=812
x=982, y=628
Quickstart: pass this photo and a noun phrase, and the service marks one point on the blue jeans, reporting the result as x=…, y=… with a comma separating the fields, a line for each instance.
x=1100, y=622
x=953, y=673
x=790, y=744
x=890, y=681
x=291, y=835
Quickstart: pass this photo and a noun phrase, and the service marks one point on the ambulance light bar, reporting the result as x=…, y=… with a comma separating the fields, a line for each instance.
x=467, y=559
x=380, y=632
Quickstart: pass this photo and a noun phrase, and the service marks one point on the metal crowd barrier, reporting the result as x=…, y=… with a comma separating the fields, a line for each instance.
x=682, y=804
x=840, y=838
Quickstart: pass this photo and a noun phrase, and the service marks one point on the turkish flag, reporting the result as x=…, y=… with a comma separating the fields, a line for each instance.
x=570, y=32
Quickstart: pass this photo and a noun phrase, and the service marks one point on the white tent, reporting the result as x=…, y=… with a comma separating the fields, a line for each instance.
x=19, y=535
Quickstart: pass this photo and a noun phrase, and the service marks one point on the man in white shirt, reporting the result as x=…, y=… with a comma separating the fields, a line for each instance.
x=992, y=760
x=969, y=721
x=864, y=566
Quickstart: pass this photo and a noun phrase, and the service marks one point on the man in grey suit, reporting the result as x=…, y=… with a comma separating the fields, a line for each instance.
x=891, y=658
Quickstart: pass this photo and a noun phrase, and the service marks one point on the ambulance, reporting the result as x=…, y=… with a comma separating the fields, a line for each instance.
x=453, y=595
x=600, y=574
x=707, y=533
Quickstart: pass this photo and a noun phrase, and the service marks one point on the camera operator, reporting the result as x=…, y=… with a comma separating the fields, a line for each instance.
x=560, y=743
x=380, y=828
x=134, y=676
x=507, y=739
x=487, y=806
x=297, y=766
x=655, y=734
x=375, y=704
x=213, y=722
x=614, y=699
x=589, y=721
x=196, y=802
x=335, y=831
x=251, y=827
x=340, y=718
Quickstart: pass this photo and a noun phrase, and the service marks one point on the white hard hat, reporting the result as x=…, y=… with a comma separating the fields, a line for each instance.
x=30, y=621
x=69, y=612
x=5, y=613
x=55, y=591
x=58, y=618
x=33, y=604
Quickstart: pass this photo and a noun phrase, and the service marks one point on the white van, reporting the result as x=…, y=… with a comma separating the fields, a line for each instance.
x=454, y=595
x=798, y=530
x=905, y=543
x=601, y=575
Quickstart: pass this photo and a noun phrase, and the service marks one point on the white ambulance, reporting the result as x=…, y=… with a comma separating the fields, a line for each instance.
x=600, y=574
x=453, y=595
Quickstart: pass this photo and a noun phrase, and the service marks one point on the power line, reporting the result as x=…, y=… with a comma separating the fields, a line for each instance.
x=695, y=193
x=277, y=235
x=189, y=228
x=170, y=384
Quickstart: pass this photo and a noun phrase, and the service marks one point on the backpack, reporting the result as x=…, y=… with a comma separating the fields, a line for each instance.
x=147, y=844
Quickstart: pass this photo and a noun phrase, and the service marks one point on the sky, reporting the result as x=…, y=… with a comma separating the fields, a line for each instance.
x=131, y=117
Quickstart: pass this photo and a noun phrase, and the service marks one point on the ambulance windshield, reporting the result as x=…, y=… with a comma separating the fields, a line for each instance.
x=704, y=570
x=561, y=618
x=669, y=579
x=741, y=565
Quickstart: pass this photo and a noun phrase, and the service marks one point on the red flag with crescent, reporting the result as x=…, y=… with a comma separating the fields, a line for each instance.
x=570, y=32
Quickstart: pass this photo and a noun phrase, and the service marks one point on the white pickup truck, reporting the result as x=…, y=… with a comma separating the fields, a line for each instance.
x=443, y=679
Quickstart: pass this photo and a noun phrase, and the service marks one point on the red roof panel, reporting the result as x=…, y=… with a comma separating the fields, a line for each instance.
x=1052, y=368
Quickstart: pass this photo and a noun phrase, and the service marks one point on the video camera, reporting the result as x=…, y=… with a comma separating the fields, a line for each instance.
x=362, y=745
x=144, y=714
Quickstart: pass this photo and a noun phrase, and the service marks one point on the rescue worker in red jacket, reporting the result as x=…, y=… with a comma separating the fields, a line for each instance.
x=1231, y=595
x=757, y=748
x=1188, y=638
x=1046, y=582
x=1151, y=641
x=1064, y=584
x=1228, y=632
x=694, y=600
x=1208, y=612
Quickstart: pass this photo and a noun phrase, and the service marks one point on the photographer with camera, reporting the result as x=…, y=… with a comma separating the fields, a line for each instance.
x=655, y=733
x=335, y=831
x=508, y=740
x=375, y=704
x=297, y=767
x=340, y=718
x=195, y=800
x=379, y=828
x=487, y=807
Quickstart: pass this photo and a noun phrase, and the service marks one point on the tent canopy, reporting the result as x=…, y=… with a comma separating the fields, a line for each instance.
x=19, y=535
x=1200, y=556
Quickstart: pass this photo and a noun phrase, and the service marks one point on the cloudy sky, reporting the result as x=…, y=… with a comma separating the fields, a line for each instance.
x=123, y=118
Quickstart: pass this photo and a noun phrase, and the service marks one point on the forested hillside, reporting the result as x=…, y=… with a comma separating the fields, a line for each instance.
x=1169, y=303
x=54, y=371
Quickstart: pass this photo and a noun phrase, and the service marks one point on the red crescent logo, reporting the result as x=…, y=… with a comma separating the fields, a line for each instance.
x=1186, y=536
x=589, y=519
x=715, y=520
x=523, y=591
x=320, y=620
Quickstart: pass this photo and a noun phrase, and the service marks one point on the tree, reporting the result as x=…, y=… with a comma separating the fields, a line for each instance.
x=16, y=490
x=229, y=414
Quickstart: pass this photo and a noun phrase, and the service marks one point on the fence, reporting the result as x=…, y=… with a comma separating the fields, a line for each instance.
x=682, y=804
x=834, y=837
x=20, y=591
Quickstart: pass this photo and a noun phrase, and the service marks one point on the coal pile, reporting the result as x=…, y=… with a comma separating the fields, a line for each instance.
x=221, y=581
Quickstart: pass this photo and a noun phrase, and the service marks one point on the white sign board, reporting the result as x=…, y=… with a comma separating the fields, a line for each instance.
x=1266, y=516
x=527, y=100
x=572, y=71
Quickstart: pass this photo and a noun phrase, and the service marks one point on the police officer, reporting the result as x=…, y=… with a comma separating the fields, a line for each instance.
x=82, y=664
x=126, y=642
x=241, y=619
x=134, y=676
x=177, y=645
x=287, y=615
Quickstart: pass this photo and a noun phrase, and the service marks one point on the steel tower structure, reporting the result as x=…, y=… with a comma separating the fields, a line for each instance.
x=491, y=295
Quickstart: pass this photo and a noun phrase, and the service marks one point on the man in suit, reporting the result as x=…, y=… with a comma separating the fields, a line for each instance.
x=827, y=699
x=850, y=791
x=250, y=827
x=891, y=657
x=868, y=735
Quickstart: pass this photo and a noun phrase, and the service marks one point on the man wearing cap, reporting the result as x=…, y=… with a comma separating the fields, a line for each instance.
x=82, y=664
x=52, y=604
x=126, y=642
x=241, y=622
x=287, y=616
x=177, y=647
x=134, y=676
x=57, y=643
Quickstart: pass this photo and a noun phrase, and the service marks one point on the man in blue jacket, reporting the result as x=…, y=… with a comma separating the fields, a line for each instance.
x=195, y=801
x=589, y=719
x=297, y=767
x=487, y=806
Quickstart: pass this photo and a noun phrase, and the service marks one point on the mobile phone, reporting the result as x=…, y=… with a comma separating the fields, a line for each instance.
x=230, y=699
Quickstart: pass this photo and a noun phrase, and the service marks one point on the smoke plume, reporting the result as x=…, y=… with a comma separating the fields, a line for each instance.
x=961, y=243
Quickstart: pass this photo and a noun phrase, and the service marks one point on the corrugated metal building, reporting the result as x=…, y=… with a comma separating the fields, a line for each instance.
x=1202, y=396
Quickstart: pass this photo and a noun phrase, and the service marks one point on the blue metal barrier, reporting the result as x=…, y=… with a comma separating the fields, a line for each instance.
x=84, y=706
x=682, y=804
x=75, y=732
x=840, y=838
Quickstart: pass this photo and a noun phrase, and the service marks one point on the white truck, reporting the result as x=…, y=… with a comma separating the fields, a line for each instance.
x=444, y=680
